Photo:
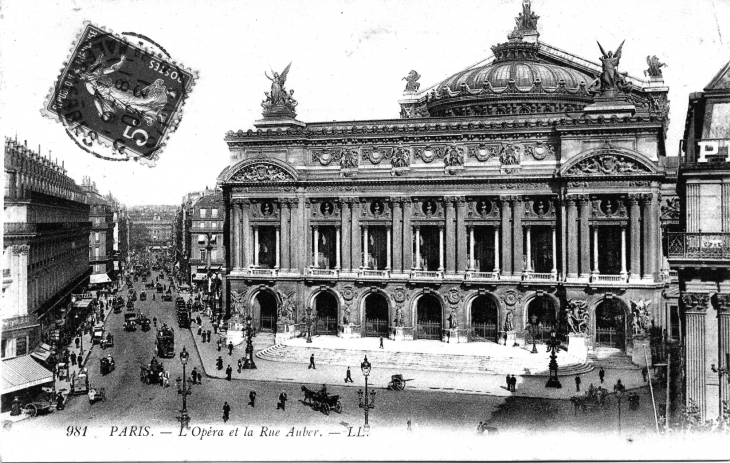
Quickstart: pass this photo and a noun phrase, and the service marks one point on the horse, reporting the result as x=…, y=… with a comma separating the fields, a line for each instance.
x=309, y=394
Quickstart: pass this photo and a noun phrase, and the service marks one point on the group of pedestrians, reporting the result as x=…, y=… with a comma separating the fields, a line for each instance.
x=280, y=405
x=511, y=383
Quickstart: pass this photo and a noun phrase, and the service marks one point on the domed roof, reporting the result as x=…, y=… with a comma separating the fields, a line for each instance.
x=524, y=73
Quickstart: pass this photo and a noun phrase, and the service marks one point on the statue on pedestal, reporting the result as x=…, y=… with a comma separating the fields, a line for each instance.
x=577, y=315
x=508, y=322
x=412, y=84
x=278, y=101
x=655, y=67
x=641, y=318
x=286, y=312
x=611, y=78
x=453, y=324
x=398, y=320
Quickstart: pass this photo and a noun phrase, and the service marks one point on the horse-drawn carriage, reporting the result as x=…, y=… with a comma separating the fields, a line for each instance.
x=118, y=304
x=150, y=374
x=43, y=404
x=397, y=383
x=130, y=304
x=108, y=341
x=97, y=395
x=593, y=399
x=167, y=297
x=106, y=365
x=321, y=401
x=130, y=322
x=159, y=288
x=143, y=296
x=145, y=322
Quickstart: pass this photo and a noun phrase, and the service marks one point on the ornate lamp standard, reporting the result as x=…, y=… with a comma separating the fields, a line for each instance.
x=534, y=327
x=368, y=404
x=76, y=317
x=248, y=363
x=309, y=324
x=619, y=396
x=185, y=391
x=552, y=346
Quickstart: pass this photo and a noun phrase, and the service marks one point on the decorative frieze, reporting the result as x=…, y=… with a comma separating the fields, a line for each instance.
x=262, y=171
x=608, y=164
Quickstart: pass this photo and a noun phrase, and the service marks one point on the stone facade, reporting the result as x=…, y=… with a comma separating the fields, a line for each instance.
x=45, y=247
x=478, y=209
x=700, y=252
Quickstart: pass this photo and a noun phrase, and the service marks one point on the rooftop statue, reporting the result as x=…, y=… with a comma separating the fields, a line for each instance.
x=527, y=20
x=278, y=101
x=611, y=79
x=412, y=84
x=655, y=67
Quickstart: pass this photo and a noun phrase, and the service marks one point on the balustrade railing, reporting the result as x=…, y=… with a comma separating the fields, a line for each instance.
x=376, y=274
x=535, y=276
x=323, y=272
x=698, y=245
x=427, y=274
x=599, y=278
x=482, y=275
x=264, y=271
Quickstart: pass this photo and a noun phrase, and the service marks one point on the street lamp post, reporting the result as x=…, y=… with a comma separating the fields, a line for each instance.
x=619, y=396
x=533, y=332
x=369, y=402
x=184, y=391
x=309, y=324
x=248, y=363
x=552, y=346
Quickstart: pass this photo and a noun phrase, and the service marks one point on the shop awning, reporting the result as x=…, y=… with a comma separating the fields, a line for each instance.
x=99, y=278
x=199, y=277
x=23, y=372
x=83, y=303
x=41, y=352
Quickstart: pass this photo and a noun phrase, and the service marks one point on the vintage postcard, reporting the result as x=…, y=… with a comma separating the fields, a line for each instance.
x=367, y=230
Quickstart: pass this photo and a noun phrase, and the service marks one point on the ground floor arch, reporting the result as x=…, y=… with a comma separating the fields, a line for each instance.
x=264, y=311
x=429, y=317
x=484, y=319
x=325, y=309
x=375, y=315
x=543, y=313
x=610, y=326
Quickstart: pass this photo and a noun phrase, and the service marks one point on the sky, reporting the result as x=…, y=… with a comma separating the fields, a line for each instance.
x=348, y=60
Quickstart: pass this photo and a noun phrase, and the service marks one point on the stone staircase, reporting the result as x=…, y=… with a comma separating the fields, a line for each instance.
x=611, y=358
x=263, y=341
x=535, y=365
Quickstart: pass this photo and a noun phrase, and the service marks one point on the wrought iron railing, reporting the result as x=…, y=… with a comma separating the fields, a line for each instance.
x=375, y=327
x=698, y=245
x=268, y=323
x=428, y=330
x=608, y=337
x=324, y=326
x=483, y=332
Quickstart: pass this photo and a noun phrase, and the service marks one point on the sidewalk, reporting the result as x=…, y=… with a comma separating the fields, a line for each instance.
x=445, y=381
x=64, y=386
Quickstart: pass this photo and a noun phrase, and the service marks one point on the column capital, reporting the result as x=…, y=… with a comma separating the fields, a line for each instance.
x=507, y=198
x=723, y=303
x=695, y=302
x=255, y=227
x=21, y=249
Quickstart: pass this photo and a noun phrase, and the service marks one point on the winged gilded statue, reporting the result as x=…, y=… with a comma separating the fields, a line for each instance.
x=611, y=79
x=149, y=103
x=278, y=95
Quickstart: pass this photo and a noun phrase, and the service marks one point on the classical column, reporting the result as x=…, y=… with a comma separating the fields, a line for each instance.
x=246, y=229
x=650, y=237
x=278, y=248
x=471, y=248
x=528, y=246
x=723, y=342
x=585, y=239
x=624, y=273
x=695, y=306
x=346, y=223
x=496, y=249
x=461, y=244
x=356, y=244
x=417, y=265
x=315, y=231
x=554, y=270
x=572, y=237
x=596, y=270
x=407, y=235
x=635, y=237
x=518, y=260
x=256, y=245
x=337, y=248
x=235, y=235
x=398, y=243
x=693, y=207
x=450, y=235
x=297, y=239
x=285, y=243
x=441, y=249
x=506, y=236
x=387, y=248
x=365, y=248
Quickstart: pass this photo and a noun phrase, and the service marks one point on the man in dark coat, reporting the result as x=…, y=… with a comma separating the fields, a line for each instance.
x=240, y=365
x=219, y=345
x=513, y=384
x=81, y=360
x=644, y=373
x=230, y=348
x=509, y=383
x=348, y=377
x=311, y=362
x=229, y=370
x=194, y=375
x=381, y=342
x=73, y=358
x=219, y=363
x=252, y=398
x=282, y=401
x=601, y=374
x=577, y=384
x=208, y=335
x=226, y=411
